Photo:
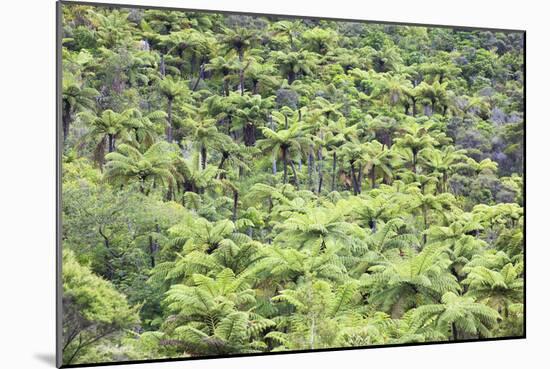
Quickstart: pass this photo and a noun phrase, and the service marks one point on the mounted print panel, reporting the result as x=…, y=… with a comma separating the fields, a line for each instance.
x=245, y=184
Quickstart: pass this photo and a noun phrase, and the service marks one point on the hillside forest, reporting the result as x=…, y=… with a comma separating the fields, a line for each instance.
x=250, y=184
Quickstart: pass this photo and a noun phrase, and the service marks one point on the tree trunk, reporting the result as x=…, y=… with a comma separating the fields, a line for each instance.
x=296, y=181
x=111, y=139
x=425, y=216
x=241, y=81
x=201, y=69
x=225, y=85
x=203, y=157
x=310, y=168
x=291, y=77
x=241, y=71
x=454, y=331
x=162, y=66
x=169, y=128
x=66, y=120
x=284, y=166
x=360, y=179
x=353, y=179
x=333, y=187
x=225, y=155
x=320, y=165
x=373, y=177
x=235, y=204
x=249, y=134
x=152, y=250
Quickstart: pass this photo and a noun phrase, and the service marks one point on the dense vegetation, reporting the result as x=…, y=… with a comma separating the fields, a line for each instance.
x=236, y=184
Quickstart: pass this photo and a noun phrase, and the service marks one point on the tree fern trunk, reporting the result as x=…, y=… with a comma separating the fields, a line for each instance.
x=296, y=180
x=285, y=170
x=169, y=128
x=203, y=157
x=454, y=331
x=373, y=177
x=353, y=179
x=291, y=77
x=111, y=139
x=333, y=187
x=249, y=134
x=425, y=216
x=310, y=168
x=320, y=165
x=66, y=120
x=235, y=204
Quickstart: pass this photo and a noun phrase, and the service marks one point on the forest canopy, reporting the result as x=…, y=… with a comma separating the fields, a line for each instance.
x=250, y=184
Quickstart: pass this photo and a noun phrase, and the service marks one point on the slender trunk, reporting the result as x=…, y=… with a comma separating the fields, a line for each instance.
x=225, y=85
x=152, y=251
x=241, y=81
x=162, y=66
x=353, y=179
x=310, y=168
x=454, y=331
x=373, y=176
x=296, y=181
x=284, y=166
x=274, y=166
x=359, y=179
x=235, y=204
x=193, y=63
x=425, y=216
x=169, y=128
x=291, y=77
x=142, y=185
x=201, y=69
x=241, y=71
x=249, y=134
x=66, y=120
x=414, y=107
x=333, y=187
x=320, y=166
x=225, y=155
x=111, y=139
x=203, y=157
x=414, y=162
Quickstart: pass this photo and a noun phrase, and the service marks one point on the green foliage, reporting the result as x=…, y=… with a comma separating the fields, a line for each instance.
x=93, y=310
x=236, y=184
